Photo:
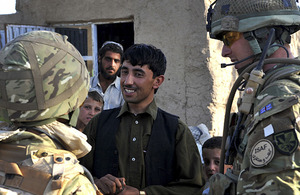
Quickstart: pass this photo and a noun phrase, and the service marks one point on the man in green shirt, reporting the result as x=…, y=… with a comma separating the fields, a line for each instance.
x=139, y=148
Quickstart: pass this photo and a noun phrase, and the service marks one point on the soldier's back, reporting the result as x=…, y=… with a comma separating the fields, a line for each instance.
x=35, y=162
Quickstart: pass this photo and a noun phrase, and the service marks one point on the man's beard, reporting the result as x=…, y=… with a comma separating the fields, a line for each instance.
x=107, y=76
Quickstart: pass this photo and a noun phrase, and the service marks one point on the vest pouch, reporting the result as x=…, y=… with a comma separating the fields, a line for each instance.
x=23, y=177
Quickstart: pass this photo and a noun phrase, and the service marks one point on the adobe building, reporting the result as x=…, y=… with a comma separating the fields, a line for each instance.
x=195, y=88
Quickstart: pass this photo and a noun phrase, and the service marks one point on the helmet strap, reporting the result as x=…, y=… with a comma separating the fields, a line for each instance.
x=257, y=39
x=250, y=37
x=271, y=50
x=69, y=119
x=73, y=117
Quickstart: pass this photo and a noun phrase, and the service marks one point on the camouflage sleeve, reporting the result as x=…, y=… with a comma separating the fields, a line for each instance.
x=219, y=184
x=272, y=153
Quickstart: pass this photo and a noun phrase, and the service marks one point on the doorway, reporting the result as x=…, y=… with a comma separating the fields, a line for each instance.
x=87, y=37
x=122, y=33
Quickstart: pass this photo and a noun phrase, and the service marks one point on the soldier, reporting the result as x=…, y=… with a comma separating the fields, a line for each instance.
x=263, y=143
x=43, y=78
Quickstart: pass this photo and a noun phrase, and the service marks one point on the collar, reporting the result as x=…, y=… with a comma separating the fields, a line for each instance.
x=116, y=82
x=74, y=140
x=151, y=109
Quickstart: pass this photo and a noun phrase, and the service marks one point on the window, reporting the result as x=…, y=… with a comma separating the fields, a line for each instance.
x=122, y=33
x=12, y=31
x=87, y=38
x=2, y=38
x=76, y=36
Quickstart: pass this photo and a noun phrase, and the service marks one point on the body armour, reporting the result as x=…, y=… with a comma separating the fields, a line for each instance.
x=35, y=160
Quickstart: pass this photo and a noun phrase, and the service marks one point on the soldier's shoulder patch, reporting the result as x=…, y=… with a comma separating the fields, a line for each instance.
x=286, y=142
x=262, y=153
x=266, y=108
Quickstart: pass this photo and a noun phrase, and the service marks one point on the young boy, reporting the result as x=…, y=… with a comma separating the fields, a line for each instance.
x=211, y=152
x=92, y=105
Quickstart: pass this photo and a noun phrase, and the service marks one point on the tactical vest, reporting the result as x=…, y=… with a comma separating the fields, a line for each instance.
x=39, y=167
x=159, y=156
x=284, y=72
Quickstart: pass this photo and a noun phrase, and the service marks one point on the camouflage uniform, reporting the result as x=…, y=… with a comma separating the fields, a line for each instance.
x=271, y=161
x=31, y=162
x=263, y=140
x=269, y=141
x=268, y=160
x=43, y=78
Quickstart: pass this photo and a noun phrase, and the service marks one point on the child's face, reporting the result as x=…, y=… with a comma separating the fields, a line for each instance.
x=89, y=109
x=211, y=158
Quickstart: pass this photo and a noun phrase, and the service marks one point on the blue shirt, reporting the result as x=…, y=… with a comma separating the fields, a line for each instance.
x=112, y=97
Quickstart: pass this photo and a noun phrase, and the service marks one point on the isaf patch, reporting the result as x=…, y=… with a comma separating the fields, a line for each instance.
x=262, y=153
x=286, y=142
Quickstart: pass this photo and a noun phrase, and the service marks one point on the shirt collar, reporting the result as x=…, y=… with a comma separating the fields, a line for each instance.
x=95, y=81
x=116, y=82
x=151, y=109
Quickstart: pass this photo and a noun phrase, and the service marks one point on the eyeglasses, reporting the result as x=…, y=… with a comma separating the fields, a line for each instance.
x=111, y=42
x=230, y=37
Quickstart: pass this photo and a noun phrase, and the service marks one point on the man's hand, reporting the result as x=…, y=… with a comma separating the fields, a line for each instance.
x=128, y=190
x=110, y=184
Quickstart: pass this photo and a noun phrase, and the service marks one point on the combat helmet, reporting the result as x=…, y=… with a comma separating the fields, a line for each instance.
x=42, y=76
x=250, y=15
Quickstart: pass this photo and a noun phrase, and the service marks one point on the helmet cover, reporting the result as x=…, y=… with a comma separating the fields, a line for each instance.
x=42, y=76
x=248, y=15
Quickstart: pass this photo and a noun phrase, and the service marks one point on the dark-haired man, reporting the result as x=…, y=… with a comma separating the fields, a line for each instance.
x=107, y=82
x=139, y=148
